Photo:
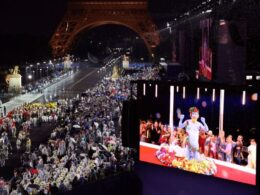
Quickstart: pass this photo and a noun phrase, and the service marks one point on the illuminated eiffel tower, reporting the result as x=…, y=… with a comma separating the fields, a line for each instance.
x=88, y=14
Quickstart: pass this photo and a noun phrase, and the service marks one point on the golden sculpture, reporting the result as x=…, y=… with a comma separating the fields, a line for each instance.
x=13, y=79
x=16, y=70
x=13, y=72
x=85, y=14
x=116, y=73
x=67, y=62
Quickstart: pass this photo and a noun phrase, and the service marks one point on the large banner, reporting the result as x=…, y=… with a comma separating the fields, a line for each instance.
x=205, y=58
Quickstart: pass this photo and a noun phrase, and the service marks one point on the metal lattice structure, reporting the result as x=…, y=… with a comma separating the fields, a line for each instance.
x=87, y=14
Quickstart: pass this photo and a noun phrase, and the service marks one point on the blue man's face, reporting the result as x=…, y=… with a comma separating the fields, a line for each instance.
x=194, y=116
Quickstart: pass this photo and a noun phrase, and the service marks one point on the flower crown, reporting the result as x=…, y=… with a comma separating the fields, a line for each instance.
x=193, y=109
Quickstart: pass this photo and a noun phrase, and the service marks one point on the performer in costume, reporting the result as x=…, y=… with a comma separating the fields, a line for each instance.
x=238, y=150
x=252, y=154
x=165, y=135
x=193, y=127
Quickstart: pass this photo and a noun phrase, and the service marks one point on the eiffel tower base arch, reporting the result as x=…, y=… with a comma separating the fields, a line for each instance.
x=86, y=15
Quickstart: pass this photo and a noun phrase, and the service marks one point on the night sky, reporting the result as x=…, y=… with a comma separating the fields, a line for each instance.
x=40, y=17
x=36, y=17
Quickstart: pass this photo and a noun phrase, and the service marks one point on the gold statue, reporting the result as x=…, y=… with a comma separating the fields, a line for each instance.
x=13, y=72
x=14, y=80
x=16, y=70
x=116, y=73
x=67, y=62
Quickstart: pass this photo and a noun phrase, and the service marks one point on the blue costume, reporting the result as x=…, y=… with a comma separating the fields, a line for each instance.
x=193, y=127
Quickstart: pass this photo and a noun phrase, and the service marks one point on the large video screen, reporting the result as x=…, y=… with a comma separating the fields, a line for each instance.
x=201, y=129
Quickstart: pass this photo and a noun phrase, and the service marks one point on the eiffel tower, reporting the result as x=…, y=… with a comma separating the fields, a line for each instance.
x=88, y=14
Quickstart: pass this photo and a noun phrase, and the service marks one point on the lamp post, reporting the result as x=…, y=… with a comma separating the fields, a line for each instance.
x=33, y=76
x=37, y=68
x=29, y=76
x=26, y=73
x=40, y=73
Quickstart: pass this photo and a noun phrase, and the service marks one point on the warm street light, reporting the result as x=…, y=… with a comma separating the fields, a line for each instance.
x=40, y=73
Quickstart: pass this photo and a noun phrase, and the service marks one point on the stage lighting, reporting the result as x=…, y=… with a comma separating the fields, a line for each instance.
x=158, y=115
x=183, y=92
x=156, y=90
x=254, y=97
x=198, y=93
x=249, y=77
x=171, y=105
x=204, y=104
x=244, y=98
x=213, y=95
x=221, y=109
x=222, y=22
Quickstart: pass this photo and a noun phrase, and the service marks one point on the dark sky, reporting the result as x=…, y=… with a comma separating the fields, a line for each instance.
x=37, y=17
x=40, y=17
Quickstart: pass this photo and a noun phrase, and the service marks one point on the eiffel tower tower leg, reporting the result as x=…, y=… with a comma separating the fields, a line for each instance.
x=87, y=14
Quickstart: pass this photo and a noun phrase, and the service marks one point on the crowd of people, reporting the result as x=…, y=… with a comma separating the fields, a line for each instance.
x=17, y=124
x=85, y=144
x=37, y=85
x=219, y=146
